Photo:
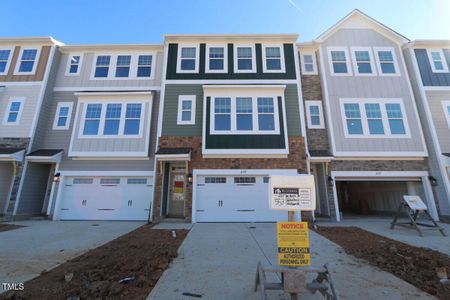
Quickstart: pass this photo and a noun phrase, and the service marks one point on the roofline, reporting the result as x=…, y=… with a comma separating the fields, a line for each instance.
x=176, y=37
x=68, y=48
x=427, y=43
x=32, y=39
x=357, y=11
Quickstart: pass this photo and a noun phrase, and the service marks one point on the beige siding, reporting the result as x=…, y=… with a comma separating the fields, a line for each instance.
x=435, y=99
x=40, y=69
x=84, y=79
x=31, y=95
x=369, y=87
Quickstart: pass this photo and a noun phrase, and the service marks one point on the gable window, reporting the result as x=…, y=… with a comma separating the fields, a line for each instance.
x=62, y=116
x=188, y=59
x=14, y=112
x=123, y=65
x=222, y=113
x=308, y=64
x=102, y=66
x=216, y=59
x=133, y=119
x=266, y=114
x=245, y=59
x=339, y=62
x=386, y=61
x=186, y=110
x=4, y=60
x=273, y=59
x=362, y=61
x=144, y=66
x=73, y=65
x=437, y=61
x=314, y=114
x=27, y=62
x=244, y=113
x=374, y=118
x=112, y=119
x=92, y=119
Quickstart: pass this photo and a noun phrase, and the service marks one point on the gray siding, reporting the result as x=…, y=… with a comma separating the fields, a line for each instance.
x=31, y=95
x=435, y=99
x=33, y=192
x=369, y=87
x=428, y=77
x=6, y=173
x=83, y=80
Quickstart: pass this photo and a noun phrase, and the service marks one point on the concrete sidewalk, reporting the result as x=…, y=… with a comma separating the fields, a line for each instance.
x=41, y=245
x=218, y=261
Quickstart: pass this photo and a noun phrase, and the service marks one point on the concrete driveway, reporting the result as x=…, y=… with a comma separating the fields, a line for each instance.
x=218, y=261
x=41, y=245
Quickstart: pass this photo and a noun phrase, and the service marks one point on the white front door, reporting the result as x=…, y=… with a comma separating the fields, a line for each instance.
x=234, y=199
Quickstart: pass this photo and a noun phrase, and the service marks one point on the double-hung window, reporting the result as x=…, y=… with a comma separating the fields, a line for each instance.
x=102, y=66
x=273, y=60
x=188, y=59
x=5, y=55
x=144, y=66
x=339, y=61
x=28, y=62
x=62, y=116
x=266, y=114
x=314, y=114
x=222, y=114
x=133, y=119
x=74, y=65
x=244, y=113
x=374, y=118
x=363, y=61
x=123, y=65
x=112, y=119
x=245, y=59
x=216, y=59
x=186, y=110
x=92, y=119
x=308, y=64
x=437, y=61
x=386, y=61
x=14, y=111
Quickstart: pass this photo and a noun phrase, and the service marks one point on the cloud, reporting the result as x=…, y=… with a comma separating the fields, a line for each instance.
x=295, y=5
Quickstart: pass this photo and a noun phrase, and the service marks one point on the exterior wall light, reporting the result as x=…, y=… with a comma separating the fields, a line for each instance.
x=190, y=178
x=56, y=177
x=433, y=180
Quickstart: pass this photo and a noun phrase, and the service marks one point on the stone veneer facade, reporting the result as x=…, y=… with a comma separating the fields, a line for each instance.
x=295, y=160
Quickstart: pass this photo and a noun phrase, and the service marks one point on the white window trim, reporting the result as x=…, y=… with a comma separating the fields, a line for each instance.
x=355, y=63
x=377, y=60
x=192, y=98
x=69, y=60
x=318, y=103
x=8, y=62
x=446, y=104
x=36, y=61
x=233, y=115
x=225, y=58
x=314, y=62
x=197, y=58
x=235, y=58
x=347, y=61
x=69, y=115
x=102, y=119
x=443, y=59
x=264, y=58
x=385, y=120
x=8, y=109
x=113, y=65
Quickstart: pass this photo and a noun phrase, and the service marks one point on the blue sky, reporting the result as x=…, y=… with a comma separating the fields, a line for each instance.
x=134, y=21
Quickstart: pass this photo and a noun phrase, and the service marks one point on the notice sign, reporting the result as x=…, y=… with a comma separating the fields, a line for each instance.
x=415, y=203
x=294, y=193
x=293, y=244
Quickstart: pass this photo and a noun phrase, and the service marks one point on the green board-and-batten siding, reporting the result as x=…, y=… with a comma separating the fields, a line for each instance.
x=172, y=91
x=172, y=74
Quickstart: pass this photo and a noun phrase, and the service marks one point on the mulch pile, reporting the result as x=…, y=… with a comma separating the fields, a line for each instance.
x=125, y=268
x=6, y=227
x=418, y=266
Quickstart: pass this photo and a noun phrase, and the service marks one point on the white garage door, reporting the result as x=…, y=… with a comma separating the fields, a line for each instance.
x=106, y=198
x=234, y=199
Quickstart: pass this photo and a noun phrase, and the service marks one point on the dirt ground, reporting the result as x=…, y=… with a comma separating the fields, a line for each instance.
x=125, y=268
x=418, y=266
x=6, y=227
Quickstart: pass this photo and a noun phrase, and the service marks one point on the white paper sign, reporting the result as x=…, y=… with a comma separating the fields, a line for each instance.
x=293, y=193
x=415, y=203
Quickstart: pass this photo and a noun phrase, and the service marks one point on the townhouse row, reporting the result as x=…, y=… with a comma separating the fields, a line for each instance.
x=193, y=128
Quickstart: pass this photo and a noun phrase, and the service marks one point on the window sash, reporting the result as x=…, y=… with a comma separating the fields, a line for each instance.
x=27, y=60
x=123, y=65
x=102, y=66
x=4, y=59
x=188, y=58
x=74, y=64
x=144, y=68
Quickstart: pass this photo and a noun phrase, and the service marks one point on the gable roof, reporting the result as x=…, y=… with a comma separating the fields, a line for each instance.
x=354, y=15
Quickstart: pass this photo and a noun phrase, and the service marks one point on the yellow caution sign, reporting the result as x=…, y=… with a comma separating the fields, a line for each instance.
x=293, y=244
